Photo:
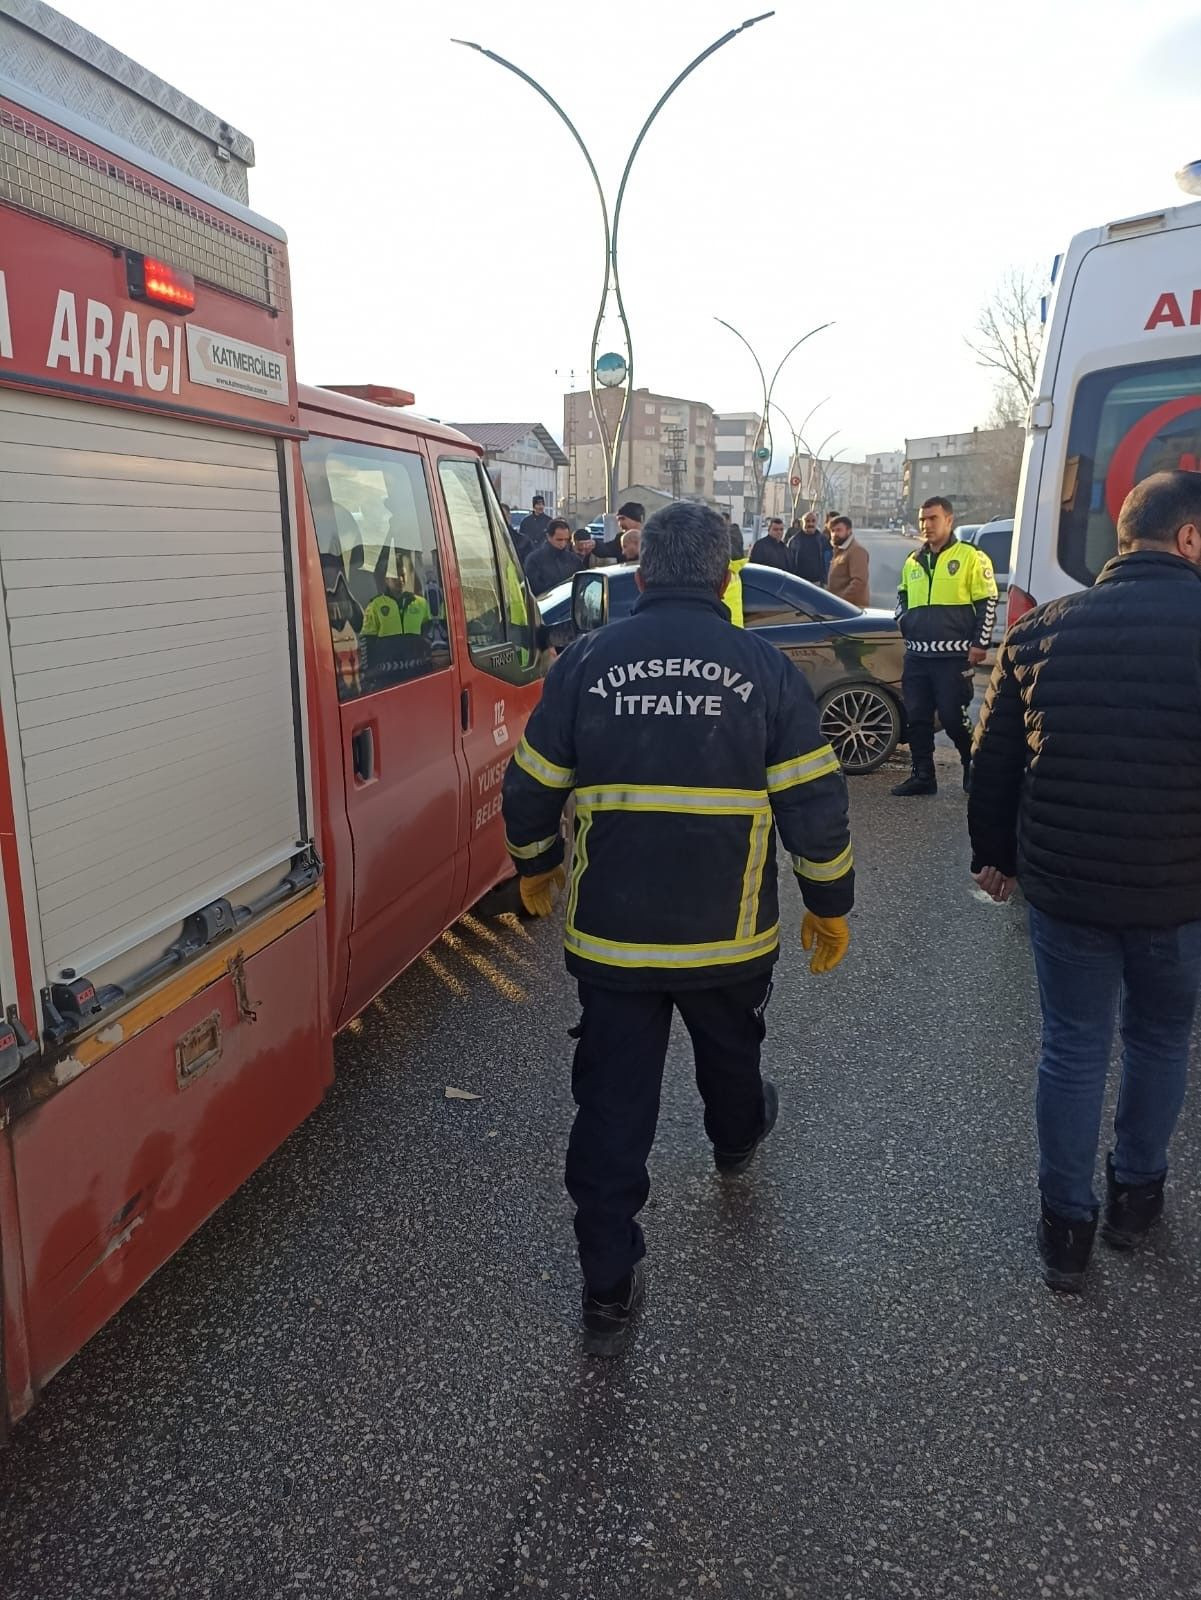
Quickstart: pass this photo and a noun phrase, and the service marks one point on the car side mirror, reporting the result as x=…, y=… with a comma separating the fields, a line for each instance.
x=589, y=601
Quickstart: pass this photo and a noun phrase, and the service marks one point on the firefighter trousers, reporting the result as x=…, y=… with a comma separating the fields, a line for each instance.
x=942, y=684
x=616, y=1080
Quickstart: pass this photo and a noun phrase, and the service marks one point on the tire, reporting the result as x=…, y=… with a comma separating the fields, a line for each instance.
x=863, y=724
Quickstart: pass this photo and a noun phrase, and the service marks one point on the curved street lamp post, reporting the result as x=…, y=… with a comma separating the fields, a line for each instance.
x=763, y=441
x=616, y=369
x=798, y=443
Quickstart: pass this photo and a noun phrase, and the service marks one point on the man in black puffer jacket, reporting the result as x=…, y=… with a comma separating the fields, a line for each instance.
x=1086, y=789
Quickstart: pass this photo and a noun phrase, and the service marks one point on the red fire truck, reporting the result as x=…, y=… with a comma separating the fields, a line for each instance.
x=265, y=652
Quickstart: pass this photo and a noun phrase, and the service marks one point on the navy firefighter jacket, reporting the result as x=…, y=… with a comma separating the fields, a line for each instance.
x=684, y=739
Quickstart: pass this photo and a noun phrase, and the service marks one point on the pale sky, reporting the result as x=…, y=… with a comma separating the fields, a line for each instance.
x=867, y=163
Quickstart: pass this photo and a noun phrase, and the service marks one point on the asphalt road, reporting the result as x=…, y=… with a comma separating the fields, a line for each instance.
x=361, y=1378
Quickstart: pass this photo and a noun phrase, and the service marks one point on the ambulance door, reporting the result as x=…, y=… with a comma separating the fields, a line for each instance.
x=398, y=699
x=501, y=673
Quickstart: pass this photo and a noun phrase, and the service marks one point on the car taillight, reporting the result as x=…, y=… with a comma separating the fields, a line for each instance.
x=1019, y=603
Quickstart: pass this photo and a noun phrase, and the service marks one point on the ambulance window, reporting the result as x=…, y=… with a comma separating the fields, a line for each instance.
x=379, y=558
x=1127, y=422
x=495, y=599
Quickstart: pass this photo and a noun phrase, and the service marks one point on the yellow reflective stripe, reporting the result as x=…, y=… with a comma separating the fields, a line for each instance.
x=824, y=871
x=528, y=852
x=752, y=882
x=672, y=797
x=580, y=865
x=802, y=769
x=610, y=953
x=528, y=759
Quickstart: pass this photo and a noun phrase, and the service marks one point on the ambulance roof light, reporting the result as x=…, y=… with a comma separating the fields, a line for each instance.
x=1189, y=177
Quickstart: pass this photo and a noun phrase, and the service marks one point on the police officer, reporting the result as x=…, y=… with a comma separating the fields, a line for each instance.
x=946, y=607
x=687, y=742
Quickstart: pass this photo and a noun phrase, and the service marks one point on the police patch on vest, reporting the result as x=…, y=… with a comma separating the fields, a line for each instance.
x=953, y=567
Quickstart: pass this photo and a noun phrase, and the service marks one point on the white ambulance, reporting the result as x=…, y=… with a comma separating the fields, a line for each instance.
x=1118, y=393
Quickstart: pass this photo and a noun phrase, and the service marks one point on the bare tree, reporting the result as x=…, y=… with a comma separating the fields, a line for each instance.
x=1008, y=335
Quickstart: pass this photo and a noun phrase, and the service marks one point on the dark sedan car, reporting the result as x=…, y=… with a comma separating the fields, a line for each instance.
x=852, y=658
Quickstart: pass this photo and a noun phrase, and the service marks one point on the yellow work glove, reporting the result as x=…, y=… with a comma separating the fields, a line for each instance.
x=828, y=938
x=540, y=891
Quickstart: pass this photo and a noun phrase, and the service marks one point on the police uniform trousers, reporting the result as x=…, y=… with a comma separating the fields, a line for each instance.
x=616, y=1080
x=937, y=683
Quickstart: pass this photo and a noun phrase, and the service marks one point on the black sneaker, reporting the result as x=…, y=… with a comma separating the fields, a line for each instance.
x=731, y=1162
x=606, y=1322
x=1065, y=1246
x=1131, y=1209
x=918, y=783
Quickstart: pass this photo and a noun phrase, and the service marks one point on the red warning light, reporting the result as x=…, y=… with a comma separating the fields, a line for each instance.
x=159, y=284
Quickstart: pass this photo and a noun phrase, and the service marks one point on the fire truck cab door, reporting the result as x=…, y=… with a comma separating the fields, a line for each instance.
x=398, y=699
x=500, y=673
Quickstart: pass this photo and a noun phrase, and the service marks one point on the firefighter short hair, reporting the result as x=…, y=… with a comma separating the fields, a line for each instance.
x=685, y=546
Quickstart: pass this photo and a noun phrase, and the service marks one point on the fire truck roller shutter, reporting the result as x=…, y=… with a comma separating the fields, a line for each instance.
x=146, y=586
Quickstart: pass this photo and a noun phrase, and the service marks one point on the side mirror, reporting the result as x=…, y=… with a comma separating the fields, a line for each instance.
x=589, y=601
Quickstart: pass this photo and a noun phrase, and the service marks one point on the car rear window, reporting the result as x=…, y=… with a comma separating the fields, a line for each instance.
x=996, y=546
x=1127, y=422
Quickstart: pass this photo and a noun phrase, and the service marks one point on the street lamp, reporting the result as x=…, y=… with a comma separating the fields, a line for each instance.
x=828, y=480
x=798, y=440
x=613, y=368
x=763, y=441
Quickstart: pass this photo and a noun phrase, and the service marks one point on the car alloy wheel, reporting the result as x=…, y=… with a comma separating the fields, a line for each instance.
x=863, y=725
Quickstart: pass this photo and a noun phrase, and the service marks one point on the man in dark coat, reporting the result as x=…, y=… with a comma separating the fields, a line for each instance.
x=1086, y=790
x=533, y=528
x=554, y=561
x=771, y=551
x=688, y=744
x=808, y=548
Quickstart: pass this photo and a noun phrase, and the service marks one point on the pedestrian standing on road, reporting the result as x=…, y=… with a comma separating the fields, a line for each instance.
x=737, y=543
x=533, y=528
x=849, y=575
x=684, y=739
x=771, y=551
x=807, y=548
x=630, y=518
x=946, y=606
x=1086, y=789
x=554, y=561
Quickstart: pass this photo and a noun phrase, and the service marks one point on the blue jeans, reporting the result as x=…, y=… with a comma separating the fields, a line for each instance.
x=1147, y=979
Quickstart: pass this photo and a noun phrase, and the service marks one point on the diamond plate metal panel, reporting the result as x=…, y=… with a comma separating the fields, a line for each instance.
x=54, y=56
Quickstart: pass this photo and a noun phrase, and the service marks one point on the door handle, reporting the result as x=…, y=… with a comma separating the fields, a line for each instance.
x=465, y=709
x=362, y=750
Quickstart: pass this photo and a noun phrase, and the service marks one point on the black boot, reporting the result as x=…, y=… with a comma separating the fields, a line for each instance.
x=731, y=1162
x=1131, y=1209
x=1065, y=1246
x=922, y=780
x=606, y=1318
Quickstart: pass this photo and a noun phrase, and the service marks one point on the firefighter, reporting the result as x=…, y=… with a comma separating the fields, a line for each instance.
x=687, y=743
x=946, y=607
